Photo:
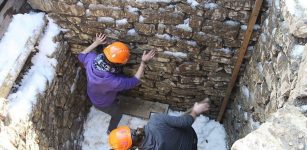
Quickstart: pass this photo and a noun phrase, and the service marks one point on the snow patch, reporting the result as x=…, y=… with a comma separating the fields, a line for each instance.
x=176, y=54
x=80, y=4
x=245, y=91
x=132, y=32
x=105, y=19
x=164, y=36
x=211, y=6
x=35, y=80
x=121, y=22
x=153, y=1
x=193, y=3
x=141, y=19
x=232, y=23
x=192, y=43
x=297, y=51
x=303, y=108
x=225, y=50
x=132, y=9
x=185, y=26
x=88, y=12
x=255, y=28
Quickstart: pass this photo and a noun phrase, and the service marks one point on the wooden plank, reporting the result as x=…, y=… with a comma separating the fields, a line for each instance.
x=9, y=79
x=141, y=108
x=241, y=54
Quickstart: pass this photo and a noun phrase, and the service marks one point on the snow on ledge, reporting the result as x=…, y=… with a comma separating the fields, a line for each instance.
x=36, y=78
x=13, y=44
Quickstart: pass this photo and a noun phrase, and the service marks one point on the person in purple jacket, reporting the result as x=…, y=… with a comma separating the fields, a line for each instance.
x=104, y=78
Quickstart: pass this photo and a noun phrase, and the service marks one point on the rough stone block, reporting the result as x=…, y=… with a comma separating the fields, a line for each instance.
x=103, y=11
x=57, y=7
x=147, y=29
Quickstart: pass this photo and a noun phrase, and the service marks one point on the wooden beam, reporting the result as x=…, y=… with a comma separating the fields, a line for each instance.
x=241, y=54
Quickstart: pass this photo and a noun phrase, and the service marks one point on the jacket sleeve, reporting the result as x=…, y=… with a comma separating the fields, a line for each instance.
x=85, y=58
x=184, y=121
x=120, y=83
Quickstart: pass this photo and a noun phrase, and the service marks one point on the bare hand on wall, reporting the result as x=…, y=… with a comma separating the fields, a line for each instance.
x=100, y=39
x=148, y=56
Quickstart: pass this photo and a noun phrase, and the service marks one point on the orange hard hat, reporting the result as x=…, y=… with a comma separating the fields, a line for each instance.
x=120, y=138
x=117, y=52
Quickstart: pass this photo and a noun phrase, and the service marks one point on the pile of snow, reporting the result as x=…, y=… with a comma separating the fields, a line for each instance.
x=14, y=42
x=43, y=70
x=211, y=134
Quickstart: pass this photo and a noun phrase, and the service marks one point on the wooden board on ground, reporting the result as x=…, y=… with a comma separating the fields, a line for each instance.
x=141, y=108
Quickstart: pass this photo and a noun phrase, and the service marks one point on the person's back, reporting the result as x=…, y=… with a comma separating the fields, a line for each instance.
x=164, y=132
x=103, y=86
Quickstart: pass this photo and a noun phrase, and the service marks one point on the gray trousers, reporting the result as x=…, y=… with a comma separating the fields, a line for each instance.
x=115, y=114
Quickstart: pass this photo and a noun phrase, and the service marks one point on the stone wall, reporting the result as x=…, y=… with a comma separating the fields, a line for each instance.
x=196, y=42
x=272, y=77
x=60, y=113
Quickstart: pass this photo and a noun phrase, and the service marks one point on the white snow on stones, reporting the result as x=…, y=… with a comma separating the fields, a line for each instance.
x=40, y=73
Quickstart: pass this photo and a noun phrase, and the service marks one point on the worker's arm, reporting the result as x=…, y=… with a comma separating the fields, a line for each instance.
x=100, y=39
x=120, y=82
x=187, y=119
x=184, y=121
x=145, y=58
x=200, y=108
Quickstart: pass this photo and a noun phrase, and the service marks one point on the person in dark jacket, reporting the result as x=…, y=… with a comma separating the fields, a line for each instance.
x=162, y=132
x=104, y=78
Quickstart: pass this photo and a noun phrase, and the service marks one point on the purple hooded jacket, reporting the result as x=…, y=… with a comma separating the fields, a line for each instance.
x=103, y=86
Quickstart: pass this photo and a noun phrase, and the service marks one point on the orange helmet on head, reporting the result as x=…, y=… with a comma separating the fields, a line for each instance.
x=120, y=138
x=117, y=52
